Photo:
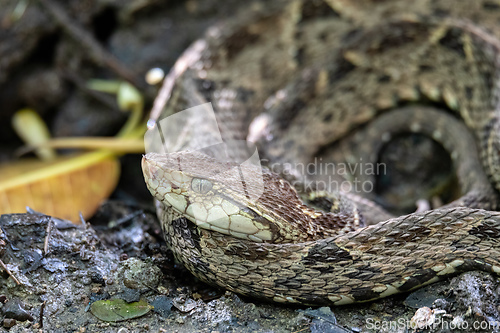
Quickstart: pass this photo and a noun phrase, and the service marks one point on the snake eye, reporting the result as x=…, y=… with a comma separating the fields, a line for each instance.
x=200, y=185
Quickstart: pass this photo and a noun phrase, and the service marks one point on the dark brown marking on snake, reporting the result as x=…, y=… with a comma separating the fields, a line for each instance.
x=341, y=70
x=469, y=92
x=206, y=88
x=244, y=94
x=388, y=279
x=323, y=203
x=312, y=299
x=440, y=12
x=188, y=231
x=312, y=10
x=323, y=36
x=240, y=40
x=489, y=79
x=452, y=40
x=327, y=117
x=352, y=275
x=485, y=231
x=418, y=279
x=364, y=294
x=425, y=68
x=384, y=78
x=299, y=56
x=296, y=105
x=397, y=34
x=205, y=85
x=234, y=249
x=488, y=5
x=365, y=276
x=368, y=269
x=292, y=284
x=351, y=34
x=326, y=253
x=475, y=264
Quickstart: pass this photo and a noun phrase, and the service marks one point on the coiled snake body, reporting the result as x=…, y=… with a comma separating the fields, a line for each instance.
x=305, y=75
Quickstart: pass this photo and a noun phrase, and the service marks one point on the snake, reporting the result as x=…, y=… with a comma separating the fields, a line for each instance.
x=337, y=79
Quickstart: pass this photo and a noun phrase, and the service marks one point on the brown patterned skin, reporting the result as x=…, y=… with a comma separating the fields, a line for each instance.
x=319, y=71
x=401, y=255
x=372, y=262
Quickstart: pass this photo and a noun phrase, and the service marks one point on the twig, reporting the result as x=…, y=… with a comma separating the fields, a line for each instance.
x=106, y=100
x=41, y=313
x=9, y=272
x=48, y=232
x=96, y=51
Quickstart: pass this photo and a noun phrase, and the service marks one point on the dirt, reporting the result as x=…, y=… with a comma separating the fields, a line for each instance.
x=63, y=269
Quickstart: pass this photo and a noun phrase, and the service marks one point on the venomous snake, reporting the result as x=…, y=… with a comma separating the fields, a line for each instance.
x=299, y=78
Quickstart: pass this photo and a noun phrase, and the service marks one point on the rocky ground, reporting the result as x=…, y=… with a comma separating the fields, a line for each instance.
x=60, y=274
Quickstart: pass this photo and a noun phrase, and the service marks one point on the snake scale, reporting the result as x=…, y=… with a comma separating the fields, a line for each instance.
x=300, y=78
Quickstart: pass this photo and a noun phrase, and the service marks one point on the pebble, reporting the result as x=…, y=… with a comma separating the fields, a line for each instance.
x=14, y=309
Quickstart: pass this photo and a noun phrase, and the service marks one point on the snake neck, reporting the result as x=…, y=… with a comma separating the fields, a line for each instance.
x=294, y=221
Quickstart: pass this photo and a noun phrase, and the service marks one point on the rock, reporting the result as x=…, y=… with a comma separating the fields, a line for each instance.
x=8, y=322
x=14, y=309
x=137, y=274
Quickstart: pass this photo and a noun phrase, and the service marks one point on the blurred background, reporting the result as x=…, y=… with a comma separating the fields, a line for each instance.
x=50, y=50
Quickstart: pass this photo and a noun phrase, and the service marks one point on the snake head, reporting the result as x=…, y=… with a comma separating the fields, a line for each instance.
x=214, y=195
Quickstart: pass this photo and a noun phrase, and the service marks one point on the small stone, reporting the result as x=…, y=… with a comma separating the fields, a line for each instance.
x=15, y=309
x=97, y=277
x=154, y=76
x=422, y=318
x=162, y=290
x=8, y=322
x=184, y=304
x=138, y=274
x=442, y=304
x=162, y=305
